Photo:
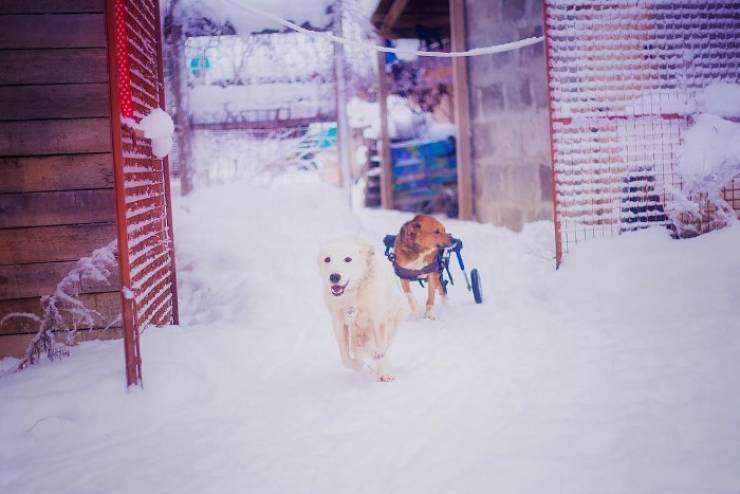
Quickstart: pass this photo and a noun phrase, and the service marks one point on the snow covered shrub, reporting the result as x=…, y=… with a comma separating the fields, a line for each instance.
x=66, y=300
x=708, y=160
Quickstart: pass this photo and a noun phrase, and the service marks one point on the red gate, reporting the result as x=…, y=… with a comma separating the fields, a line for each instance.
x=620, y=75
x=145, y=242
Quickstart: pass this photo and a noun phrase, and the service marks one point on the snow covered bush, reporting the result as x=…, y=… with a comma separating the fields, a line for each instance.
x=66, y=300
x=708, y=160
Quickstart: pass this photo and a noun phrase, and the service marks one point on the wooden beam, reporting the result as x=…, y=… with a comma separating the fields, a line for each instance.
x=397, y=8
x=386, y=177
x=461, y=112
x=344, y=143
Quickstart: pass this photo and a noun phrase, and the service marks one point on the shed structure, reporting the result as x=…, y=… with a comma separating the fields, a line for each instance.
x=499, y=103
x=74, y=173
x=587, y=127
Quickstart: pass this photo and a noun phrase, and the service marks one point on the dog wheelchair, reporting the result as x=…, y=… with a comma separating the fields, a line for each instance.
x=440, y=265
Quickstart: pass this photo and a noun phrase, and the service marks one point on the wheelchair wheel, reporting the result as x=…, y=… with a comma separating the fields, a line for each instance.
x=475, y=284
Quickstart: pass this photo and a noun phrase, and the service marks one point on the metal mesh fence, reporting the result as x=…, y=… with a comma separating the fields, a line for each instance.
x=623, y=75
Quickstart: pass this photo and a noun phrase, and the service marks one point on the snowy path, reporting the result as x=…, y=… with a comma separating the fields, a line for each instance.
x=614, y=375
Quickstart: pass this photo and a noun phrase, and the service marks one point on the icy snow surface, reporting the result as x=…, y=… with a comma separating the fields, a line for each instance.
x=615, y=374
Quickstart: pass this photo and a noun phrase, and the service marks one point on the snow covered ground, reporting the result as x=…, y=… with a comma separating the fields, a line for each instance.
x=616, y=374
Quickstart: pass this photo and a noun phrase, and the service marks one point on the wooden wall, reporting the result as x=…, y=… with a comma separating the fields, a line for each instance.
x=57, y=202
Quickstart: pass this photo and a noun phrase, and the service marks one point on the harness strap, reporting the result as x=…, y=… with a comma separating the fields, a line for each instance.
x=415, y=274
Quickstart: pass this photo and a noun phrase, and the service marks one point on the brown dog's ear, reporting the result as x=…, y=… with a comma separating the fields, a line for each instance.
x=407, y=233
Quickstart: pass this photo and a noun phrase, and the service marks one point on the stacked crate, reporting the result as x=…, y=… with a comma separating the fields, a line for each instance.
x=424, y=177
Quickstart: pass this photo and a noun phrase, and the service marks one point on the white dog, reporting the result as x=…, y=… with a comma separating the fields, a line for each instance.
x=364, y=300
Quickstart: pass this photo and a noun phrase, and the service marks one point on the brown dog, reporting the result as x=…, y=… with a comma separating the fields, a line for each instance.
x=416, y=248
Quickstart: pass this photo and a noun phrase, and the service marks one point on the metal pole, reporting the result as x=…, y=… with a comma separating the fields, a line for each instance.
x=550, y=116
x=343, y=131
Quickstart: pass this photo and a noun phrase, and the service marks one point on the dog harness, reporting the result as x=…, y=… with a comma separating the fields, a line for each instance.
x=415, y=274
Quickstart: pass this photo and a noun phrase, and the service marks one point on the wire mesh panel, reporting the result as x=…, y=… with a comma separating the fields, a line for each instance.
x=146, y=252
x=623, y=77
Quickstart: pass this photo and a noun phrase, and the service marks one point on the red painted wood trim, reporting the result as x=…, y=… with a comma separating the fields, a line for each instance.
x=550, y=104
x=130, y=331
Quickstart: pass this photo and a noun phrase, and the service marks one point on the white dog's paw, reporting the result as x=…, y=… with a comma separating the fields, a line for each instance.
x=378, y=355
x=385, y=378
x=353, y=364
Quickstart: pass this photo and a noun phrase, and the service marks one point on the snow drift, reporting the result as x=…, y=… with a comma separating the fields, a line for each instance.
x=614, y=374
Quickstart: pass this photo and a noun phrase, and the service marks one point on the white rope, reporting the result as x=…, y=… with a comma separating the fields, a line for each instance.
x=487, y=50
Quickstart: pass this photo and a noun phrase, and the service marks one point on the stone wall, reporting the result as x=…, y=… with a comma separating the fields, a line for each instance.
x=512, y=175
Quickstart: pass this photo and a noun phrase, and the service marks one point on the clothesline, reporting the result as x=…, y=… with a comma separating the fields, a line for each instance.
x=487, y=50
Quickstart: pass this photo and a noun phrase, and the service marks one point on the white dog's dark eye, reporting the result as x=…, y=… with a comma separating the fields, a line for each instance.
x=327, y=259
x=347, y=259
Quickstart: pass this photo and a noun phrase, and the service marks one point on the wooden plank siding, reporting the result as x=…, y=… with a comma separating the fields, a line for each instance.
x=52, y=31
x=57, y=208
x=53, y=243
x=31, y=280
x=57, y=202
x=51, y=6
x=15, y=345
x=42, y=137
x=56, y=172
x=63, y=66
x=107, y=307
x=54, y=101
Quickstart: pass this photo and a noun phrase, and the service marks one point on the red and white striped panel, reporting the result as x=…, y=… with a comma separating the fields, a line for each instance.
x=145, y=176
x=621, y=76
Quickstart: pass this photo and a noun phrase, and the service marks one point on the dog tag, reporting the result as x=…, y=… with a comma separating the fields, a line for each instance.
x=350, y=315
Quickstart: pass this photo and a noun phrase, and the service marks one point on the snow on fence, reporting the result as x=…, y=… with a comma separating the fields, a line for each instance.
x=146, y=252
x=624, y=78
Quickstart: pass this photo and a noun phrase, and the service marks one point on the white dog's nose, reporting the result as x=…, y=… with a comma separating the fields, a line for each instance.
x=334, y=277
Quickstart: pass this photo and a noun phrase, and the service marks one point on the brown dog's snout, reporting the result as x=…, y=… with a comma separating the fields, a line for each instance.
x=335, y=277
x=447, y=242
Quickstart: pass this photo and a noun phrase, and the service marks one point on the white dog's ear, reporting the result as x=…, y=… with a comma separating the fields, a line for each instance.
x=365, y=245
x=367, y=248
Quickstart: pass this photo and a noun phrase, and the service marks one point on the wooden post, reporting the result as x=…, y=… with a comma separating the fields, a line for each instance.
x=166, y=174
x=394, y=12
x=461, y=111
x=180, y=97
x=344, y=154
x=386, y=178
